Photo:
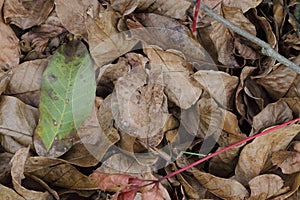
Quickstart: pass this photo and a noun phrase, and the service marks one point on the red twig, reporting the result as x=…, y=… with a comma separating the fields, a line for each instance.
x=155, y=182
x=194, y=26
x=225, y=149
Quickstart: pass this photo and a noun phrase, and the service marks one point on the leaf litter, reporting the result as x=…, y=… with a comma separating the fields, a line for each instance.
x=160, y=91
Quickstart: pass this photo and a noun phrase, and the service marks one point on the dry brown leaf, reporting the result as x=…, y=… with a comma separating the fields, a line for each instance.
x=73, y=15
x=244, y=5
x=266, y=186
x=9, y=41
x=21, y=14
x=256, y=155
x=224, y=164
x=167, y=33
x=220, y=85
x=59, y=173
x=263, y=22
x=140, y=110
x=294, y=91
x=273, y=114
x=110, y=73
x=293, y=181
x=162, y=7
x=4, y=80
x=278, y=82
x=224, y=39
x=172, y=69
x=221, y=187
x=26, y=81
x=245, y=51
x=223, y=42
x=120, y=163
x=204, y=120
x=1, y=5
x=17, y=123
x=95, y=140
x=279, y=16
x=240, y=95
x=7, y=193
x=17, y=170
x=288, y=161
x=105, y=42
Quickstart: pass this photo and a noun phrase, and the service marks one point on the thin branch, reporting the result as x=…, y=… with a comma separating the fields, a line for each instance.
x=266, y=48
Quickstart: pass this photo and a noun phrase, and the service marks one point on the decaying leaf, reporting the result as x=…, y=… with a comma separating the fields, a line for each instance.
x=171, y=69
x=288, y=161
x=278, y=82
x=162, y=7
x=167, y=33
x=7, y=193
x=67, y=97
x=266, y=186
x=74, y=19
x=20, y=12
x=224, y=39
x=244, y=5
x=256, y=155
x=26, y=80
x=17, y=173
x=9, y=41
x=221, y=86
x=221, y=187
x=105, y=42
x=274, y=113
x=140, y=109
x=96, y=139
x=17, y=123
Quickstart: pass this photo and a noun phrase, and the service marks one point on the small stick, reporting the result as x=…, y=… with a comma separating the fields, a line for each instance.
x=266, y=48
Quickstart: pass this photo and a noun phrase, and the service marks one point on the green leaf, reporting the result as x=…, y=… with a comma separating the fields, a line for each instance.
x=67, y=93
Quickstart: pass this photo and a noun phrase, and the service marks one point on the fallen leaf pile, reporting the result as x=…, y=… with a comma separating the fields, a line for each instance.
x=101, y=99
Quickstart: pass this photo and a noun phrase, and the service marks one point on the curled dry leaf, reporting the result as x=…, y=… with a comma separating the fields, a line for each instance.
x=21, y=14
x=9, y=41
x=95, y=140
x=162, y=7
x=26, y=79
x=293, y=182
x=266, y=186
x=288, y=161
x=224, y=39
x=17, y=123
x=220, y=85
x=141, y=110
x=17, y=174
x=167, y=33
x=255, y=156
x=105, y=42
x=274, y=113
x=7, y=193
x=278, y=82
x=74, y=19
x=221, y=187
x=204, y=120
x=244, y=5
x=58, y=172
x=4, y=80
x=172, y=69
x=42, y=40
x=223, y=42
